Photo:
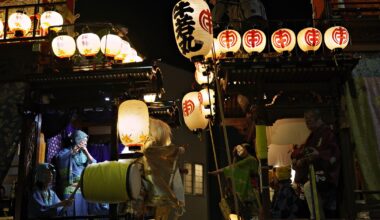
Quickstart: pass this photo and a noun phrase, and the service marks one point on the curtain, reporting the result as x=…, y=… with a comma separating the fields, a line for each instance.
x=11, y=95
x=363, y=103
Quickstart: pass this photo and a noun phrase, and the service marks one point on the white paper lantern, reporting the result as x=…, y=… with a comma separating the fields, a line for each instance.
x=110, y=45
x=192, y=25
x=133, y=123
x=229, y=41
x=254, y=40
x=309, y=39
x=19, y=23
x=283, y=40
x=336, y=38
x=88, y=44
x=150, y=97
x=51, y=18
x=208, y=96
x=199, y=75
x=124, y=51
x=63, y=46
x=214, y=49
x=193, y=113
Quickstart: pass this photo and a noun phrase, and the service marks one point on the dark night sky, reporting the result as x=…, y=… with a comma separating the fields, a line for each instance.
x=150, y=25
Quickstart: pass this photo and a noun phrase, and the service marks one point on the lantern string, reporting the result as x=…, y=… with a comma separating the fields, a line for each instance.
x=215, y=160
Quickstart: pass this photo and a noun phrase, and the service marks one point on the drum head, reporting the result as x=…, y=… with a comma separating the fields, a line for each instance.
x=134, y=181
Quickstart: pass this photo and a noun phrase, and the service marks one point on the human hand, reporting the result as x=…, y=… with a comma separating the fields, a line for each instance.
x=67, y=202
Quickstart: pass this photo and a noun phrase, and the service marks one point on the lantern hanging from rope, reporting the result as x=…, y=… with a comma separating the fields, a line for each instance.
x=202, y=75
x=88, y=44
x=215, y=49
x=336, y=38
x=124, y=50
x=254, y=41
x=208, y=101
x=283, y=40
x=193, y=112
x=192, y=25
x=110, y=45
x=51, y=18
x=309, y=39
x=1, y=29
x=19, y=23
x=133, y=123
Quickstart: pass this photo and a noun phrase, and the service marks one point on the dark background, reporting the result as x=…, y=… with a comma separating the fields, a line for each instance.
x=150, y=23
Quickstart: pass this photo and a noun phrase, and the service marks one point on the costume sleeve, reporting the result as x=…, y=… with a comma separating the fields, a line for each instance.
x=248, y=163
x=39, y=208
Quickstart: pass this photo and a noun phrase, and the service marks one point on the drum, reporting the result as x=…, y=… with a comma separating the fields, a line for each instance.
x=111, y=182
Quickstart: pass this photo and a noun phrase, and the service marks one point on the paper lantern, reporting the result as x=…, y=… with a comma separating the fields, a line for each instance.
x=254, y=41
x=229, y=41
x=63, y=46
x=201, y=75
x=51, y=18
x=336, y=38
x=133, y=123
x=88, y=44
x=214, y=49
x=192, y=110
x=124, y=50
x=309, y=39
x=283, y=40
x=208, y=96
x=192, y=25
x=235, y=217
x=110, y=45
x=150, y=97
x=1, y=29
x=19, y=23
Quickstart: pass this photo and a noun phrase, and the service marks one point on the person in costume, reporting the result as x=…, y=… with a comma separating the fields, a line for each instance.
x=242, y=173
x=43, y=201
x=71, y=162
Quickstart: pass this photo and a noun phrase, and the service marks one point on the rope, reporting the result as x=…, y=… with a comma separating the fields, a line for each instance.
x=215, y=160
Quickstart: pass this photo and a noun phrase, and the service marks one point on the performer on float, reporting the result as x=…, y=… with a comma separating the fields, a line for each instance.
x=43, y=201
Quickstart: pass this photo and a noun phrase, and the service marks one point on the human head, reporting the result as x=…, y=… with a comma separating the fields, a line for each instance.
x=283, y=173
x=159, y=132
x=242, y=149
x=313, y=119
x=44, y=174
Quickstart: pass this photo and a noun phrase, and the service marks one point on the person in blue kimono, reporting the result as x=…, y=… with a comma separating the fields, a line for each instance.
x=43, y=201
x=71, y=162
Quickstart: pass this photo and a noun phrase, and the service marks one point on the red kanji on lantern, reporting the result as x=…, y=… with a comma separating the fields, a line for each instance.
x=205, y=20
x=254, y=40
x=188, y=107
x=313, y=37
x=340, y=35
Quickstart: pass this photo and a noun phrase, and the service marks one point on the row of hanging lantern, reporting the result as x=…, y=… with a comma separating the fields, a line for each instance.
x=89, y=45
x=192, y=23
x=20, y=24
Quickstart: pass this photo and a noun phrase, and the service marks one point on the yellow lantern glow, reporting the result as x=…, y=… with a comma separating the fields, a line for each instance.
x=208, y=96
x=133, y=123
x=215, y=49
x=254, y=40
x=235, y=217
x=19, y=23
x=283, y=40
x=124, y=50
x=1, y=29
x=192, y=25
x=63, y=46
x=51, y=18
x=88, y=44
x=110, y=45
x=193, y=111
x=229, y=40
x=150, y=97
x=309, y=39
x=336, y=38
x=199, y=75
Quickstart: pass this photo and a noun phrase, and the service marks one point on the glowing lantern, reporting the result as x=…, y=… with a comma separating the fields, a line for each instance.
x=215, y=49
x=1, y=29
x=192, y=25
x=20, y=23
x=150, y=97
x=51, y=18
x=63, y=46
x=193, y=111
x=235, y=217
x=283, y=40
x=208, y=96
x=124, y=50
x=336, y=38
x=309, y=39
x=254, y=41
x=110, y=45
x=88, y=44
x=229, y=41
x=201, y=76
x=133, y=123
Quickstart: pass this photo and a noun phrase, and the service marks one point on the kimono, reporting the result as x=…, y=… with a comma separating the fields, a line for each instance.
x=41, y=204
x=284, y=203
x=240, y=173
x=70, y=168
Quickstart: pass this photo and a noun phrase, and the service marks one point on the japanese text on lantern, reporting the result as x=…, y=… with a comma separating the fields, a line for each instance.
x=184, y=27
x=312, y=37
x=228, y=39
x=188, y=107
x=340, y=35
x=253, y=38
x=205, y=20
x=282, y=38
